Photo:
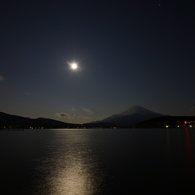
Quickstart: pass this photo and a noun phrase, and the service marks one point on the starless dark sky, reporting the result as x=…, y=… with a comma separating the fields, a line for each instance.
x=130, y=53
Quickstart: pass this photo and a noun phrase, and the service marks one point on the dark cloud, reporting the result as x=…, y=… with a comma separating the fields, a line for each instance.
x=62, y=114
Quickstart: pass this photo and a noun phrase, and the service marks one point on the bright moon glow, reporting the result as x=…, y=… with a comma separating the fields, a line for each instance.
x=73, y=66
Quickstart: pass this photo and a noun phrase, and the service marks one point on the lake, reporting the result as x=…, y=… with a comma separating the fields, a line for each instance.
x=97, y=161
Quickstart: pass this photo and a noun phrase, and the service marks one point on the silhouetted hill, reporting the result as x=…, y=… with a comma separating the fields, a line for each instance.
x=13, y=121
x=128, y=118
x=168, y=122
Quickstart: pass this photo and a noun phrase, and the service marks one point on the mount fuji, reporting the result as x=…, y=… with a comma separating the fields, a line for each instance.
x=128, y=118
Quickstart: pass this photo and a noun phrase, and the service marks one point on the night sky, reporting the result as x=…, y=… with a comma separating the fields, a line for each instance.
x=129, y=53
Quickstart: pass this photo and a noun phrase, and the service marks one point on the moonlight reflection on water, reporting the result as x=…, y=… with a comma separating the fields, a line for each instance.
x=70, y=169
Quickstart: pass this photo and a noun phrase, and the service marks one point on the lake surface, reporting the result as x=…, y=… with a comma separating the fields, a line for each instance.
x=104, y=161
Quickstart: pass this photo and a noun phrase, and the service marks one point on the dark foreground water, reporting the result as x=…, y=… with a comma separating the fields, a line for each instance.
x=83, y=162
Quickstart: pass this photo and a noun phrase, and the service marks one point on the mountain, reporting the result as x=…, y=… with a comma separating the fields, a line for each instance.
x=168, y=122
x=128, y=118
x=13, y=121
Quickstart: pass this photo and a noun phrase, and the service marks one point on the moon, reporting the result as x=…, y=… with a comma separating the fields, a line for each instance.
x=74, y=66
